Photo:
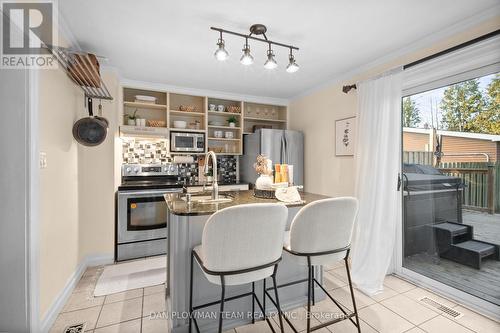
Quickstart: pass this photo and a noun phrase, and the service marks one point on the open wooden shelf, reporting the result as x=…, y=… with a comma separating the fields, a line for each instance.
x=225, y=127
x=222, y=139
x=265, y=120
x=187, y=130
x=228, y=114
x=168, y=109
x=186, y=113
x=140, y=105
x=141, y=131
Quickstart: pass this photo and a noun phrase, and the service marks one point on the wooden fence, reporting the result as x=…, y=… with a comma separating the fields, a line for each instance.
x=418, y=157
x=482, y=180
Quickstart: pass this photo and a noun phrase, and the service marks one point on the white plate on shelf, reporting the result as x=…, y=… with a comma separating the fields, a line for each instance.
x=216, y=123
x=145, y=99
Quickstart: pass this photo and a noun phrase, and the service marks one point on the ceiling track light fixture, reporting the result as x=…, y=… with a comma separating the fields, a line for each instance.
x=221, y=53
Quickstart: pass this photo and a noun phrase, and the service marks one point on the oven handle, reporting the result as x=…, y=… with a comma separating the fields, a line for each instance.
x=148, y=192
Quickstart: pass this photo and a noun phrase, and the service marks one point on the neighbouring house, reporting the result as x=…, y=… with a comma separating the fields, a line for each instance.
x=456, y=146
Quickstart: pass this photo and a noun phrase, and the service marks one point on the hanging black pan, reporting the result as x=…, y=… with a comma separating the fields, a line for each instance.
x=91, y=130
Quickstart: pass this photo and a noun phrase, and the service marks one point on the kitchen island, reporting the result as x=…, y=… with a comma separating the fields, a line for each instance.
x=185, y=228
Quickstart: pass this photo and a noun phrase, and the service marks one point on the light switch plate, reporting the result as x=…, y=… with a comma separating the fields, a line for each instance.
x=43, y=160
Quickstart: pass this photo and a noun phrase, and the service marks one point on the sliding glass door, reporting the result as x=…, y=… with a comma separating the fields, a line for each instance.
x=451, y=186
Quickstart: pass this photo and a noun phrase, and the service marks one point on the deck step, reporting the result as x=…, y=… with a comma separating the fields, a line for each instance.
x=455, y=229
x=450, y=233
x=472, y=253
x=481, y=248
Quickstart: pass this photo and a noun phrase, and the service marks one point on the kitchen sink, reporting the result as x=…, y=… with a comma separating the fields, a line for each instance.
x=207, y=199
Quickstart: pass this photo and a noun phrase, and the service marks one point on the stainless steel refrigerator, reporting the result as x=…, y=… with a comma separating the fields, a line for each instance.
x=281, y=146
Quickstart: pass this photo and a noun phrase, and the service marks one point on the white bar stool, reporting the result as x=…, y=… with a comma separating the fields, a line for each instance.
x=240, y=245
x=320, y=234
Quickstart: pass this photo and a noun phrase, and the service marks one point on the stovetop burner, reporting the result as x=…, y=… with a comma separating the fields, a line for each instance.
x=149, y=176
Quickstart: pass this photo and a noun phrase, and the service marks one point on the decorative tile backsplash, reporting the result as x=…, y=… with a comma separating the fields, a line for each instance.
x=155, y=152
x=227, y=169
x=145, y=151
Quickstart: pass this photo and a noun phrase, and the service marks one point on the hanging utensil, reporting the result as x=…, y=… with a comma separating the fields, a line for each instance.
x=99, y=114
x=91, y=130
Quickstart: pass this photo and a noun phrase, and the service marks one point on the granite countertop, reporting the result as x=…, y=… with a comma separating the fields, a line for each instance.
x=199, y=184
x=178, y=206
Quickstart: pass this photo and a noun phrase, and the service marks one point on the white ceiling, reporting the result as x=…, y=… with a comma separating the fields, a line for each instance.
x=169, y=42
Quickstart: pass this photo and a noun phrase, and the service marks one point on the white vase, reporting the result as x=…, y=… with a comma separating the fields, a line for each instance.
x=131, y=122
x=232, y=124
x=264, y=182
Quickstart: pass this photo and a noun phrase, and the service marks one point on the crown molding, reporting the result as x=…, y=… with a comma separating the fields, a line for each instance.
x=419, y=44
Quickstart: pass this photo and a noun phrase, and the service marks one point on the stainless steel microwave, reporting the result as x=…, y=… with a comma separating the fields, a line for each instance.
x=187, y=142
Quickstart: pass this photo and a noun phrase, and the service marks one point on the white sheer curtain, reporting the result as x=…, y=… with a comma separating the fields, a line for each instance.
x=377, y=167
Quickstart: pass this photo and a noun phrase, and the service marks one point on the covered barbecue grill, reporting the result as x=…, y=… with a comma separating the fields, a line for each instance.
x=429, y=198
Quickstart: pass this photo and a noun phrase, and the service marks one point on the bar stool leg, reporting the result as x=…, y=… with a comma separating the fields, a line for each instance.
x=280, y=313
x=253, y=302
x=264, y=298
x=191, y=295
x=309, y=276
x=352, y=292
x=312, y=288
x=223, y=295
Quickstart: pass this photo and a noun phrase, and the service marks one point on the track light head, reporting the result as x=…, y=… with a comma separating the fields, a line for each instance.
x=247, y=58
x=270, y=62
x=221, y=54
x=292, y=65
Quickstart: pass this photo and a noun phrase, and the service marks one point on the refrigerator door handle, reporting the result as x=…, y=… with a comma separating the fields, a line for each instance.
x=283, y=156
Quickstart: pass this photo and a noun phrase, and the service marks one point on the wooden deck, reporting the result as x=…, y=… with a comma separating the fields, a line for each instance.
x=483, y=283
x=486, y=226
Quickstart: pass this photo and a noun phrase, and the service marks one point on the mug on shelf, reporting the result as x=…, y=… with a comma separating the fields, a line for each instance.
x=211, y=107
x=229, y=135
x=220, y=108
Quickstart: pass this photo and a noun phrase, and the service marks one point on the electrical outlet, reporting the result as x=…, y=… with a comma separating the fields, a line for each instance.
x=43, y=160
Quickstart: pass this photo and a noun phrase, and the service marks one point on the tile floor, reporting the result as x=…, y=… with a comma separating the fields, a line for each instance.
x=397, y=309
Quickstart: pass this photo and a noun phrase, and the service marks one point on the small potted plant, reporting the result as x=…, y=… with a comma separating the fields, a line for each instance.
x=231, y=121
x=131, y=118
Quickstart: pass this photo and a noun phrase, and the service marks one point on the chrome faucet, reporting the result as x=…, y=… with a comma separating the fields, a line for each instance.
x=215, y=185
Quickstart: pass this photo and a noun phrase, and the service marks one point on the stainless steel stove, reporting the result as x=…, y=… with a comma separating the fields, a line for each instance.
x=141, y=211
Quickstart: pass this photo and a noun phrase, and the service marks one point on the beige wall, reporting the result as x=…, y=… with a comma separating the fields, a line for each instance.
x=59, y=100
x=97, y=184
x=315, y=115
x=77, y=187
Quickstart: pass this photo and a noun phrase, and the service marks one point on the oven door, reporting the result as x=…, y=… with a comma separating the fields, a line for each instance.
x=142, y=215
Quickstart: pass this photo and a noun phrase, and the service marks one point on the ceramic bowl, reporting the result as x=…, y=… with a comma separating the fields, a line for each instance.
x=180, y=124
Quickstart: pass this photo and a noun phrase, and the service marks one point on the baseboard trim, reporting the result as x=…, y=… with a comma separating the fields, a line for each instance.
x=56, y=307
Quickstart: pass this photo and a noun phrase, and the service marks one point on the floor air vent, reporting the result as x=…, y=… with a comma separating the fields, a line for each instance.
x=435, y=304
x=77, y=328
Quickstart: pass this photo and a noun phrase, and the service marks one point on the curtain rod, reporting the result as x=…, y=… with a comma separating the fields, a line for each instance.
x=453, y=48
x=347, y=88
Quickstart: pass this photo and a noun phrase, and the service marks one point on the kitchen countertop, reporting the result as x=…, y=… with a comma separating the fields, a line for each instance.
x=199, y=184
x=178, y=206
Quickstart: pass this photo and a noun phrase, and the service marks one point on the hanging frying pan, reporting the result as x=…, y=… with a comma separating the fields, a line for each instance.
x=91, y=130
